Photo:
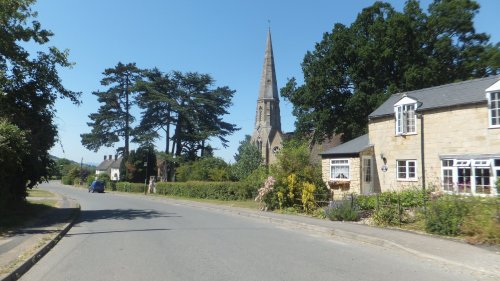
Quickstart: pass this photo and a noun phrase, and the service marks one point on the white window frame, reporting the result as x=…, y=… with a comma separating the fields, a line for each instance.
x=493, y=109
x=481, y=163
x=403, y=121
x=344, y=162
x=461, y=163
x=472, y=165
x=407, y=170
x=451, y=169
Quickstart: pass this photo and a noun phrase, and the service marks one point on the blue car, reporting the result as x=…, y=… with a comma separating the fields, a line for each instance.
x=96, y=186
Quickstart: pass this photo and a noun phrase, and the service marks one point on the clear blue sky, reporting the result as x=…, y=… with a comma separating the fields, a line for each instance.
x=224, y=38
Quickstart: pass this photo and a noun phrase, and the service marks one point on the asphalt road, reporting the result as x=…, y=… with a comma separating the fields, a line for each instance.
x=130, y=237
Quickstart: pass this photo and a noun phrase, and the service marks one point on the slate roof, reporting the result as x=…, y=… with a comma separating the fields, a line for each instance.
x=116, y=164
x=460, y=93
x=104, y=165
x=354, y=146
x=109, y=163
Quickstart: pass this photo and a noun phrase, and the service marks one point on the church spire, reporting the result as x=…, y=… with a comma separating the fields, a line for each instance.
x=267, y=133
x=268, y=87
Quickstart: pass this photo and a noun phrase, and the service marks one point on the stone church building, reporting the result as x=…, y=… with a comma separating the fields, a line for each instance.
x=267, y=134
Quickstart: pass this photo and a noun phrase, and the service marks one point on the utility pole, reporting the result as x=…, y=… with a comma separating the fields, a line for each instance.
x=81, y=171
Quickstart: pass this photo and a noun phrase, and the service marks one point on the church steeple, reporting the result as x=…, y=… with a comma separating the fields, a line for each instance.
x=268, y=87
x=267, y=133
x=268, y=109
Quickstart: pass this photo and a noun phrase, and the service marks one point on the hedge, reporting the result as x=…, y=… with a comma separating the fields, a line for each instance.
x=207, y=190
x=196, y=189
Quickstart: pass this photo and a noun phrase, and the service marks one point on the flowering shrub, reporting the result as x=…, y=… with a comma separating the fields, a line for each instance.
x=308, y=202
x=264, y=193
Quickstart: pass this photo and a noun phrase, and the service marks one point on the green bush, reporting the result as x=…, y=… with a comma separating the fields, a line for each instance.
x=481, y=224
x=409, y=198
x=204, y=169
x=344, y=210
x=293, y=171
x=67, y=180
x=206, y=190
x=130, y=187
x=386, y=215
x=367, y=202
x=446, y=215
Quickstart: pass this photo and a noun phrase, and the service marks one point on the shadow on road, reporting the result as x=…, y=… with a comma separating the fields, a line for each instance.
x=122, y=214
x=118, y=231
x=42, y=222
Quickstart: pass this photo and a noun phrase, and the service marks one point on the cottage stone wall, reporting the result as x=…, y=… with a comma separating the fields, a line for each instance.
x=354, y=174
x=451, y=131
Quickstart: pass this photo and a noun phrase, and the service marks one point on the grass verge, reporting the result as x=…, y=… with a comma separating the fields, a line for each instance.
x=31, y=210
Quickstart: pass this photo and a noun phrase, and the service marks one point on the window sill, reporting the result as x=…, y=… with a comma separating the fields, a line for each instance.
x=408, y=134
x=408, y=180
x=493, y=127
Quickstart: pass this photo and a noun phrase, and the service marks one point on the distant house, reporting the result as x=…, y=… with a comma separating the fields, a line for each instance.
x=110, y=166
x=445, y=137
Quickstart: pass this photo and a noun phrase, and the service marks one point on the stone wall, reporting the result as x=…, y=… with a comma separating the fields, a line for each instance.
x=452, y=131
x=354, y=174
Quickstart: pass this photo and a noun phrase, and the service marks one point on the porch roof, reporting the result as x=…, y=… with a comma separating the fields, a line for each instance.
x=354, y=146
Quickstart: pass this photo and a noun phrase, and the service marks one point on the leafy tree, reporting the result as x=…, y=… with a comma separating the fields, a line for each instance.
x=354, y=69
x=248, y=159
x=189, y=105
x=29, y=87
x=141, y=164
x=113, y=119
x=14, y=149
x=204, y=169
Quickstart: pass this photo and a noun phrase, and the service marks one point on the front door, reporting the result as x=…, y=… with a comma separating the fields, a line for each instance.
x=367, y=175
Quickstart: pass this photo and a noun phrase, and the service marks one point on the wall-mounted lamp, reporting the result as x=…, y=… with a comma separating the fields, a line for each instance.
x=382, y=156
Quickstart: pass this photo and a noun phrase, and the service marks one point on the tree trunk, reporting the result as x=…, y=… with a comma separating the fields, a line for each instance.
x=126, y=150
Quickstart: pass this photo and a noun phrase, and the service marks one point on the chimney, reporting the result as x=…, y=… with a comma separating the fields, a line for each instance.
x=110, y=157
x=104, y=157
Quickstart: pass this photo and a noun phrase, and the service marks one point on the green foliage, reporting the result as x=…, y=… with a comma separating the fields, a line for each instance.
x=188, y=102
x=205, y=190
x=367, y=202
x=446, y=215
x=29, y=87
x=204, y=169
x=14, y=149
x=387, y=215
x=248, y=159
x=482, y=224
x=294, y=172
x=140, y=163
x=408, y=198
x=113, y=119
x=130, y=187
x=355, y=68
x=344, y=210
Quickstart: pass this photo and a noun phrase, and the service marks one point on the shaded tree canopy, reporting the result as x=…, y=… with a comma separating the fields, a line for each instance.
x=356, y=68
x=29, y=86
x=188, y=104
x=113, y=119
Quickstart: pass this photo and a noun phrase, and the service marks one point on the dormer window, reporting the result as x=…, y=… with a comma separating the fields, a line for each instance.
x=406, y=119
x=494, y=109
x=493, y=96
